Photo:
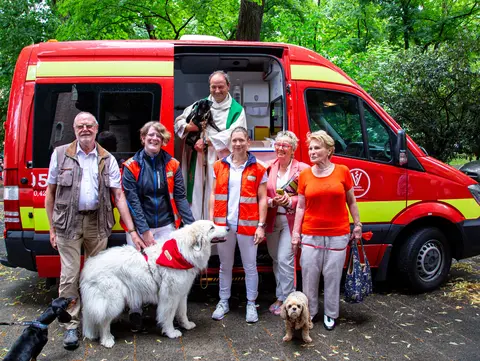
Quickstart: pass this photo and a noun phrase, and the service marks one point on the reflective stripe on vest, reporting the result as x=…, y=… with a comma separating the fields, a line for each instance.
x=170, y=168
x=248, y=213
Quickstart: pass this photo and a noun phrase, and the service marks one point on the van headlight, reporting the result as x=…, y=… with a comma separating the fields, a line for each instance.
x=475, y=190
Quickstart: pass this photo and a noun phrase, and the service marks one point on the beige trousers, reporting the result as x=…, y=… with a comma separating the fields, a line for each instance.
x=86, y=235
x=318, y=260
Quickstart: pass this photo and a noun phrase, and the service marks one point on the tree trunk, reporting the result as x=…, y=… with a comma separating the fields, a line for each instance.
x=150, y=30
x=250, y=20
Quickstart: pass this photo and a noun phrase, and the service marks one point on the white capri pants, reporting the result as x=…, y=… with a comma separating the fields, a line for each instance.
x=160, y=234
x=248, y=252
x=280, y=249
x=318, y=261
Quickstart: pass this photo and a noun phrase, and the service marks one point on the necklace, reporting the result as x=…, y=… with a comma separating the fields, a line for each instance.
x=325, y=168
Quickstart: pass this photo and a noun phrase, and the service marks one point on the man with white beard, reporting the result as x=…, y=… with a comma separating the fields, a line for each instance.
x=227, y=114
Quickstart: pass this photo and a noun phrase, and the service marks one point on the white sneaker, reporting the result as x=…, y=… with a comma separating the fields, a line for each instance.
x=220, y=311
x=252, y=315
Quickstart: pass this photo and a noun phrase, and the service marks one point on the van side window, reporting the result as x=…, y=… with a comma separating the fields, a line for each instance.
x=379, y=137
x=337, y=114
x=119, y=108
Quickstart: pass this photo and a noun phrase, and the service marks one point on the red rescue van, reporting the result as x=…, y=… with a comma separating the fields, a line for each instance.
x=422, y=212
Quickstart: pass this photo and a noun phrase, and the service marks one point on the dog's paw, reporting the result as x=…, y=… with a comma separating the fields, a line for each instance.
x=307, y=339
x=287, y=338
x=188, y=325
x=173, y=334
x=108, y=342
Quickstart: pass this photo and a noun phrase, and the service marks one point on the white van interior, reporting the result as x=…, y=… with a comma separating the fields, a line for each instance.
x=256, y=82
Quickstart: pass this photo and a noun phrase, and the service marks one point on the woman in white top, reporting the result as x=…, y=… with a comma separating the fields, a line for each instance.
x=239, y=201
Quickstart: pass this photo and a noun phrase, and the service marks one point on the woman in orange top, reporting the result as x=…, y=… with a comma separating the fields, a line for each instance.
x=324, y=192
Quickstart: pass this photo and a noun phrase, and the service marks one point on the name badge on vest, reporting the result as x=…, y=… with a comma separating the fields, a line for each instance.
x=251, y=178
x=169, y=174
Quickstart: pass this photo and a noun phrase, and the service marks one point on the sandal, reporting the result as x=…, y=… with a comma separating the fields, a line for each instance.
x=275, y=308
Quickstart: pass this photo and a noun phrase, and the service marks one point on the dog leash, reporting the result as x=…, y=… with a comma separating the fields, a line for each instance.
x=367, y=236
x=26, y=323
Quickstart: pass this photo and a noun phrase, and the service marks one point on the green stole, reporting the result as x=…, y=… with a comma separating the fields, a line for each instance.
x=233, y=114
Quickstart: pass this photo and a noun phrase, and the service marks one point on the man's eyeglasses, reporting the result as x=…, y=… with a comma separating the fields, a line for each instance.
x=83, y=126
x=283, y=145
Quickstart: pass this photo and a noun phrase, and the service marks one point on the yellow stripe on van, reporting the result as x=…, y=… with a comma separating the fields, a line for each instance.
x=409, y=203
x=31, y=72
x=27, y=222
x=468, y=207
x=51, y=69
x=379, y=212
x=40, y=220
x=317, y=73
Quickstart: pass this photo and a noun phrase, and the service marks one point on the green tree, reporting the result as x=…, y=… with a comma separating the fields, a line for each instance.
x=142, y=19
x=434, y=95
x=23, y=22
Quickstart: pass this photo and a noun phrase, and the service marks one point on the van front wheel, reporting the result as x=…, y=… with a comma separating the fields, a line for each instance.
x=424, y=259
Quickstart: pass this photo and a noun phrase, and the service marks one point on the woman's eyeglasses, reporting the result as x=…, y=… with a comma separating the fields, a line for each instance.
x=283, y=145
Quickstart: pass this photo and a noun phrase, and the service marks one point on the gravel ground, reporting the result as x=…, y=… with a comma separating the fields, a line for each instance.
x=390, y=325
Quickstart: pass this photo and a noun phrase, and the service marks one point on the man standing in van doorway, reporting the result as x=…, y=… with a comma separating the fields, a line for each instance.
x=81, y=177
x=197, y=171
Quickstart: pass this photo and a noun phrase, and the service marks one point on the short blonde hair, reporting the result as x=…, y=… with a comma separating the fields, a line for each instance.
x=159, y=128
x=292, y=138
x=323, y=137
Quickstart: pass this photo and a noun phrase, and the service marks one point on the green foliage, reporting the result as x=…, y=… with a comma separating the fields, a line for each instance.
x=142, y=19
x=23, y=22
x=428, y=88
x=434, y=95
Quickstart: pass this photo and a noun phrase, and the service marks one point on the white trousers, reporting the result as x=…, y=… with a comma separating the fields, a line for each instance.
x=160, y=234
x=318, y=261
x=280, y=249
x=248, y=252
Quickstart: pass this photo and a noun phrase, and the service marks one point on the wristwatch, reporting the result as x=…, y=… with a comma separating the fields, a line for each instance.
x=261, y=224
x=358, y=224
x=131, y=231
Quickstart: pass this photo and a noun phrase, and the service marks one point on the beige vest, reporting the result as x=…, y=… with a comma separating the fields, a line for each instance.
x=65, y=210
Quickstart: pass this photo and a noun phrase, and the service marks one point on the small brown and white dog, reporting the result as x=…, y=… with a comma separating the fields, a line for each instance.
x=297, y=316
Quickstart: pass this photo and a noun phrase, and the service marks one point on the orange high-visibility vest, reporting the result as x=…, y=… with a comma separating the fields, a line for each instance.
x=170, y=168
x=248, y=214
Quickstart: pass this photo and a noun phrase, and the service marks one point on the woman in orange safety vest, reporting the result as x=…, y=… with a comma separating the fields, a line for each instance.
x=239, y=201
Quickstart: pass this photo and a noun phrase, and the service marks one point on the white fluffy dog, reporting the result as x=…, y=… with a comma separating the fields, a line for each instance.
x=297, y=316
x=121, y=276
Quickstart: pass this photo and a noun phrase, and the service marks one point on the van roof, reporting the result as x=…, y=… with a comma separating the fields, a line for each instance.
x=157, y=48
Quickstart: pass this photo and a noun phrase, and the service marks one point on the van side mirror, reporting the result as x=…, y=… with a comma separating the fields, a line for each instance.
x=401, y=148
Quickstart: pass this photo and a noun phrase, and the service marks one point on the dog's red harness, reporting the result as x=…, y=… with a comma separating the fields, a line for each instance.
x=171, y=256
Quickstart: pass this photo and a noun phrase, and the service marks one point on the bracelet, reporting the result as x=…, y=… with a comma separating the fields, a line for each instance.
x=358, y=224
x=131, y=231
